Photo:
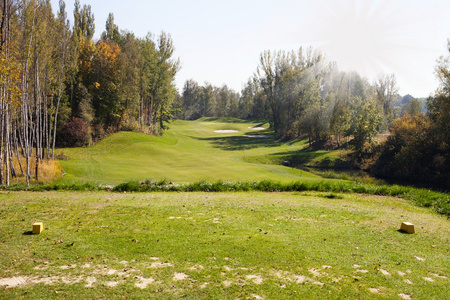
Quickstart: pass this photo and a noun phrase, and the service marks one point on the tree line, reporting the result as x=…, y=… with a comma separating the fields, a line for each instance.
x=418, y=150
x=59, y=87
x=303, y=96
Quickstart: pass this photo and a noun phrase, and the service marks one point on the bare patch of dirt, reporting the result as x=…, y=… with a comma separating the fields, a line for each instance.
x=315, y=272
x=256, y=279
x=90, y=281
x=67, y=267
x=404, y=296
x=375, y=290
x=112, y=283
x=156, y=265
x=227, y=268
x=14, y=281
x=179, y=276
x=71, y=279
x=196, y=268
x=419, y=258
x=408, y=281
x=227, y=283
x=438, y=276
x=384, y=272
x=301, y=279
x=143, y=282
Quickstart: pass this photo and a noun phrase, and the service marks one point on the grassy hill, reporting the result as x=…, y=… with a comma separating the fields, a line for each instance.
x=189, y=151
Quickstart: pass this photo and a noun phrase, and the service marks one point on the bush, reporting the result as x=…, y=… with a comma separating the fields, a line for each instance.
x=414, y=153
x=74, y=133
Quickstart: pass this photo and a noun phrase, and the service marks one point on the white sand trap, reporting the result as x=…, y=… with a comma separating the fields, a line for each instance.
x=256, y=128
x=226, y=131
x=259, y=136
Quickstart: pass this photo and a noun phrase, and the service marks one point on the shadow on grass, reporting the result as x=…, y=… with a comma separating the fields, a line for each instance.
x=231, y=120
x=402, y=231
x=28, y=233
x=235, y=143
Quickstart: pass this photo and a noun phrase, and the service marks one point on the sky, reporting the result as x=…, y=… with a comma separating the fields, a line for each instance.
x=220, y=42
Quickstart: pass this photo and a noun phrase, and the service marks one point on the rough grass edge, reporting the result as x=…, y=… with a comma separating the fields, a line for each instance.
x=438, y=201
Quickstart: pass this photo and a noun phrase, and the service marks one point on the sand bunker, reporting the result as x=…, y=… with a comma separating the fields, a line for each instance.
x=256, y=128
x=226, y=131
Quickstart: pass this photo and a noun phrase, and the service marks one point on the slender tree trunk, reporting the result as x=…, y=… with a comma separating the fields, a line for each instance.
x=16, y=146
x=2, y=130
x=7, y=144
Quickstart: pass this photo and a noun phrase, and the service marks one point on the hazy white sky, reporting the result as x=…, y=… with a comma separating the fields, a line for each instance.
x=220, y=41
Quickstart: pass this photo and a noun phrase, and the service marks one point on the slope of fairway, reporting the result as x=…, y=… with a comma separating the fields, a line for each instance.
x=189, y=151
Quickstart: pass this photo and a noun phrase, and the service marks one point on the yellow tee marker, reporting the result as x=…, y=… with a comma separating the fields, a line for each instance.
x=38, y=227
x=407, y=227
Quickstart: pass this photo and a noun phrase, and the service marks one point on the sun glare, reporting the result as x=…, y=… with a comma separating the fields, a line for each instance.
x=358, y=37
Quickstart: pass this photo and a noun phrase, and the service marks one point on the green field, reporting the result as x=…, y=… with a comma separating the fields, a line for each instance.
x=101, y=245
x=190, y=151
x=321, y=244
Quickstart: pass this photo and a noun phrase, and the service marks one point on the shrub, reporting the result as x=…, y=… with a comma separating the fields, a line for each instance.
x=414, y=153
x=74, y=133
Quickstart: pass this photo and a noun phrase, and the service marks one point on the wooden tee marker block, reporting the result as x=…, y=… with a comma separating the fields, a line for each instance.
x=407, y=227
x=38, y=227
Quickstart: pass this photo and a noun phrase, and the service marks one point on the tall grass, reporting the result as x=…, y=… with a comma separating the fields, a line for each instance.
x=440, y=202
x=48, y=171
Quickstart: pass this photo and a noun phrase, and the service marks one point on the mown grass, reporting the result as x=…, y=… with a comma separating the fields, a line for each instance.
x=439, y=202
x=292, y=245
x=190, y=151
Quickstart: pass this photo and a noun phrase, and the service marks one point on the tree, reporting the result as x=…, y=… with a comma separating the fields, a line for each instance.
x=157, y=85
x=290, y=82
x=364, y=125
x=418, y=149
x=412, y=107
x=111, y=30
x=386, y=92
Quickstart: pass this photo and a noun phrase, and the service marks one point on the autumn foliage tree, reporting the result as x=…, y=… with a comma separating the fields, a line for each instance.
x=419, y=148
x=59, y=86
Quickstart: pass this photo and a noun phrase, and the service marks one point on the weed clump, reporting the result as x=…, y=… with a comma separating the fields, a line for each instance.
x=438, y=201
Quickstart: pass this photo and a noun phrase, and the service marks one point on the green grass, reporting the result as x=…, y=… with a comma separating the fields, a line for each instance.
x=292, y=245
x=268, y=231
x=190, y=151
